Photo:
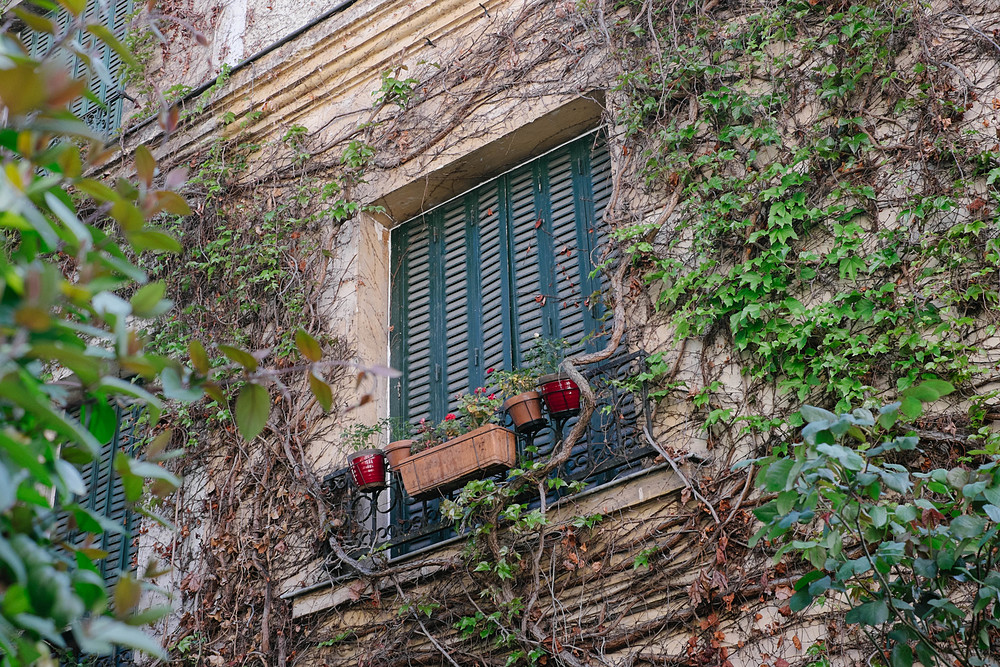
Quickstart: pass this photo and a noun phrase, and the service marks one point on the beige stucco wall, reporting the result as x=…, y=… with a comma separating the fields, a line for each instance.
x=452, y=136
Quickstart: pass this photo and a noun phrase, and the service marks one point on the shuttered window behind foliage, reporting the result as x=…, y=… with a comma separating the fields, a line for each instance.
x=105, y=114
x=477, y=278
x=105, y=496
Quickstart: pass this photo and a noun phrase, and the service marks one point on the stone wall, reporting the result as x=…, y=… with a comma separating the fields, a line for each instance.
x=498, y=83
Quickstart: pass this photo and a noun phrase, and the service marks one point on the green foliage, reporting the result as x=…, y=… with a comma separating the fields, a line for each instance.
x=545, y=354
x=67, y=316
x=777, y=244
x=72, y=294
x=913, y=554
x=395, y=90
x=514, y=382
x=363, y=436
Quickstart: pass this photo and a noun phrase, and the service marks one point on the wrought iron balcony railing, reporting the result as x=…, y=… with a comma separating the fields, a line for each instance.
x=614, y=448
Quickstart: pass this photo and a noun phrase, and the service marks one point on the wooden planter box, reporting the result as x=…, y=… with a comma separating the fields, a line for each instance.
x=481, y=453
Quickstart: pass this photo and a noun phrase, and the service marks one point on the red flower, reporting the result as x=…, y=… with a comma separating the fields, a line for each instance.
x=490, y=370
x=450, y=416
x=492, y=397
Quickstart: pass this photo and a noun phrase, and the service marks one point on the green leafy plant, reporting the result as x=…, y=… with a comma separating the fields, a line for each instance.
x=395, y=90
x=478, y=408
x=512, y=383
x=363, y=436
x=913, y=554
x=426, y=434
x=74, y=291
x=545, y=354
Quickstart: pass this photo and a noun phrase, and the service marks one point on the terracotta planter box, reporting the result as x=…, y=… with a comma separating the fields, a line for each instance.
x=481, y=453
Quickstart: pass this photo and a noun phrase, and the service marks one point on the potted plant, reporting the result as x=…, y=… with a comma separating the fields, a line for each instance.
x=523, y=403
x=367, y=463
x=399, y=449
x=463, y=446
x=560, y=393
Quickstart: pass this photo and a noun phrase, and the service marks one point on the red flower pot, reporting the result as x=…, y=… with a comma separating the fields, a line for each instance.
x=561, y=395
x=368, y=469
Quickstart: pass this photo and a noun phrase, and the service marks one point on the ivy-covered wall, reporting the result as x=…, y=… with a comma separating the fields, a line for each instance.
x=804, y=212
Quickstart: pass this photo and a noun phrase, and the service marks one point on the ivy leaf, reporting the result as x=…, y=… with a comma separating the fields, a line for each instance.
x=252, y=408
x=869, y=613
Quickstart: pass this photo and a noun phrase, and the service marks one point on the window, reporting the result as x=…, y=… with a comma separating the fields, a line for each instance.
x=105, y=496
x=477, y=278
x=104, y=112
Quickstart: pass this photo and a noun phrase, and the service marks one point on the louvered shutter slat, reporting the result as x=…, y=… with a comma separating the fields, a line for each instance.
x=525, y=257
x=492, y=266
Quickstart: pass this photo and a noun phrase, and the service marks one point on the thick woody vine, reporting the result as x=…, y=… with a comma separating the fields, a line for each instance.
x=822, y=210
x=804, y=198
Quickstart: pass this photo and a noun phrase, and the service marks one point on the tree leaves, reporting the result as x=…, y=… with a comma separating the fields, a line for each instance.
x=145, y=165
x=321, y=390
x=253, y=405
x=869, y=613
x=308, y=346
x=241, y=357
x=199, y=359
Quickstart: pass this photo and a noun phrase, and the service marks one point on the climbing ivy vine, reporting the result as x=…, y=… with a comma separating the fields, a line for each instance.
x=832, y=217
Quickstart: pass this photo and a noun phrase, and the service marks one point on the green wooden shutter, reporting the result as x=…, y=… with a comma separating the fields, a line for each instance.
x=491, y=263
x=411, y=321
x=104, y=116
x=475, y=279
x=481, y=275
x=106, y=496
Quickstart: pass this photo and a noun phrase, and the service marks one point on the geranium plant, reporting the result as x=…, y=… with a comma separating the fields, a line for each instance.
x=546, y=354
x=474, y=410
x=478, y=408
